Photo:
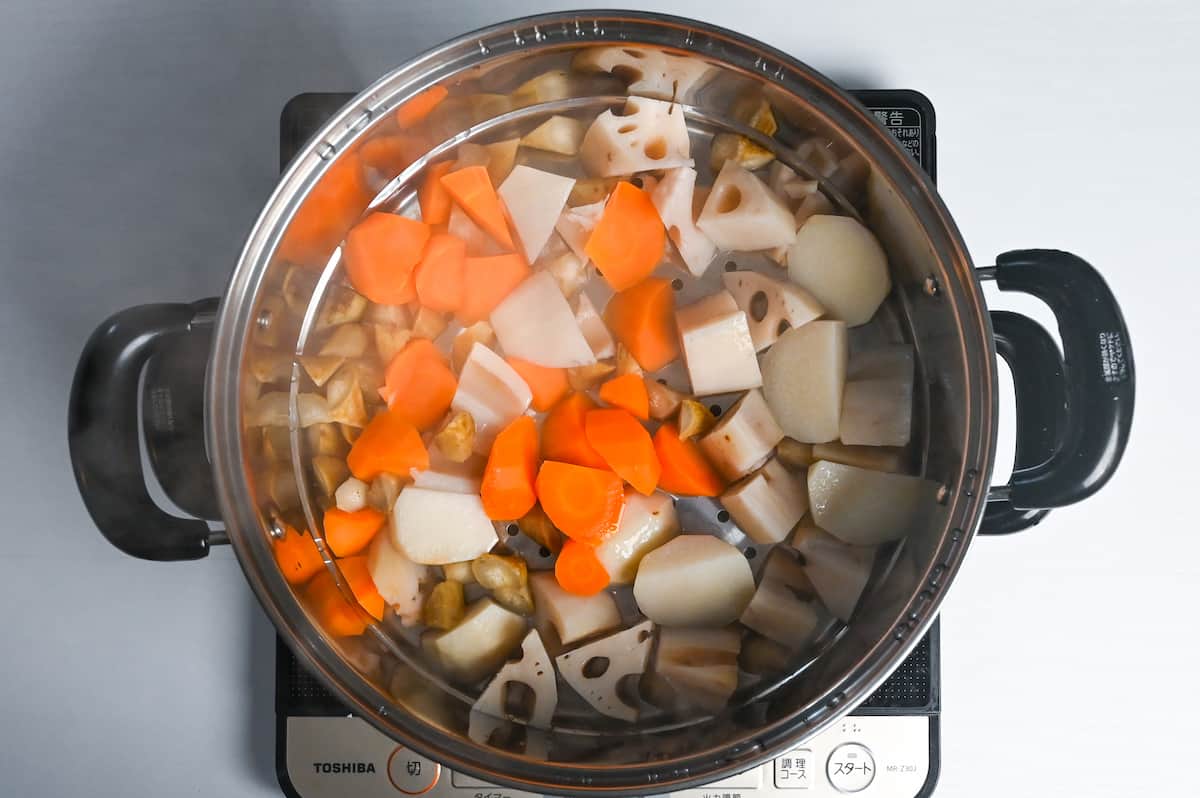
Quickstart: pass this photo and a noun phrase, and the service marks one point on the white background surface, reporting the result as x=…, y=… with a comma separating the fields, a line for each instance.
x=139, y=140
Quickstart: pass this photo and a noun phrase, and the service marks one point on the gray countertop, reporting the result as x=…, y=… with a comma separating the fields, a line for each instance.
x=140, y=139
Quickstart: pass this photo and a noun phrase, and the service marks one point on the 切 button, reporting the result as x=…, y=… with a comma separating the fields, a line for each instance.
x=411, y=773
x=850, y=768
x=793, y=770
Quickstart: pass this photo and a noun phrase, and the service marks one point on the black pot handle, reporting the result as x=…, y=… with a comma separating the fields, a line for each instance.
x=104, y=434
x=1074, y=411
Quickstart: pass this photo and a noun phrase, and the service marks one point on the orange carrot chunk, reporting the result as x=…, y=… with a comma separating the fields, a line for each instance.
x=389, y=443
x=381, y=252
x=358, y=576
x=579, y=571
x=627, y=243
x=486, y=281
x=472, y=190
x=334, y=203
x=643, y=319
x=349, y=533
x=418, y=384
x=508, y=479
x=420, y=105
x=333, y=612
x=628, y=392
x=685, y=470
x=625, y=445
x=387, y=156
x=433, y=197
x=440, y=273
x=585, y=503
x=563, y=437
x=547, y=384
x=297, y=556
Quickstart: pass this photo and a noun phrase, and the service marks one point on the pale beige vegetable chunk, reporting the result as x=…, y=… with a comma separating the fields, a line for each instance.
x=742, y=214
x=546, y=87
x=573, y=617
x=517, y=599
x=839, y=261
x=329, y=472
x=814, y=204
x=272, y=409
x=664, y=401
x=397, y=578
x=803, y=376
x=778, y=613
x=575, y=226
x=795, y=455
x=647, y=522
x=650, y=134
x=700, y=665
x=341, y=306
x=535, y=323
x=590, y=190
x=345, y=396
x=494, y=571
x=538, y=527
x=456, y=438
x=772, y=306
x=481, y=643
x=767, y=504
x=447, y=475
x=739, y=150
x=459, y=572
x=584, y=378
x=673, y=198
x=429, y=324
x=492, y=392
x=435, y=527
x=326, y=439
x=535, y=670
x=717, y=349
x=625, y=653
x=347, y=340
x=743, y=438
x=626, y=362
x=694, y=419
x=864, y=507
x=649, y=72
x=534, y=199
x=668, y=578
x=389, y=340
x=445, y=607
x=268, y=365
x=383, y=492
x=838, y=572
x=876, y=458
x=479, y=332
x=594, y=330
x=558, y=134
x=479, y=243
x=351, y=495
x=320, y=369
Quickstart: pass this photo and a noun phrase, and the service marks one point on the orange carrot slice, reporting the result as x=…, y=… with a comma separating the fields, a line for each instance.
x=387, y=156
x=585, y=503
x=625, y=445
x=547, y=384
x=334, y=203
x=685, y=470
x=579, y=571
x=333, y=612
x=440, y=273
x=349, y=533
x=381, y=252
x=418, y=384
x=297, y=556
x=643, y=319
x=420, y=105
x=627, y=243
x=486, y=281
x=628, y=392
x=563, y=436
x=389, y=443
x=472, y=189
x=358, y=576
x=433, y=196
x=508, y=479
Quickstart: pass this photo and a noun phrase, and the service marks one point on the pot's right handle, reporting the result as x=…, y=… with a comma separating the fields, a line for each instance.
x=1073, y=412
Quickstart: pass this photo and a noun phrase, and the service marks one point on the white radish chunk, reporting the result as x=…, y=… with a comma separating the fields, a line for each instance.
x=877, y=413
x=647, y=522
x=535, y=323
x=743, y=438
x=481, y=642
x=446, y=475
x=672, y=198
x=595, y=669
x=839, y=261
x=699, y=665
x=558, y=134
x=594, y=330
x=397, y=578
x=434, y=527
x=351, y=495
x=776, y=612
x=864, y=507
x=575, y=225
x=535, y=670
x=767, y=504
x=693, y=580
x=534, y=199
x=772, y=306
x=717, y=347
x=650, y=134
x=838, y=572
x=742, y=215
x=650, y=72
x=573, y=617
x=492, y=392
x=804, y=373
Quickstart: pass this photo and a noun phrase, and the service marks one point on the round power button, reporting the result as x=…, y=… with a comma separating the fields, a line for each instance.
x=850, y=768
x=411, y=773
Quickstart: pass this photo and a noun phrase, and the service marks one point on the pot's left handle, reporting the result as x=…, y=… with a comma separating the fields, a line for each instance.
x=105, y=436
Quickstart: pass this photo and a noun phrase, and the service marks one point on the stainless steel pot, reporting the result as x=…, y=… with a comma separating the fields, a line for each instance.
x=1074, y=407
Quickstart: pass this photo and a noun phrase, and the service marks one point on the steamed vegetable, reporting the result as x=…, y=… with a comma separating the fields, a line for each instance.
x=456, y=439
x=717, y=348
x=481, y=642
x=507, y=489
x=641, y=319
x=297, y=555
x=625, y=445
x=538, y=527
x=647, y=522
x=547, y=385
x=433, y=527
x=621, y=655
x=877, y=401
x=627, y=392
x=838, y=261
x=772, y=306
x=863, y=507
x=685, y=469
x=804, y=373
x=743, y=214
x=351, y=495
x=575, y=225
x=397, y=578
x=592, y=326
x=535, y=323
x=472, y=190
x=876, y=458
x=440, y=276
x=432, y=196
x=838, y=572
x=419, y=385
x=487, y=281
x=491, y=392
x=649, y=72
x=693, y=580
x=381, y=253
x=445, y=607
x=649, y=134
x=627, y=243
x=579, y=571
x=388, y=443
x=768, y=503
x=574, y=617
x=534, y=200
x=694, y=419
x=585, y=503
x=563, y=435
x=535, y=670
x=699, y=665
x=558, y=134
x=664, y=400
x=348, y=533
x=672, y=197
x=448, y=475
